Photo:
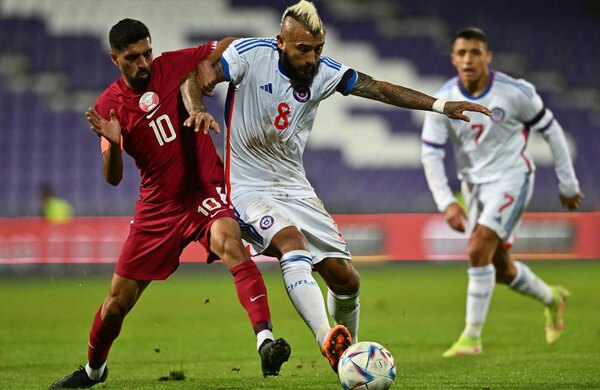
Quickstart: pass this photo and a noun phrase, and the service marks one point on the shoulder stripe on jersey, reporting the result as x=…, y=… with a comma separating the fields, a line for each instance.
x=521, y=87
x=331, y=63
x=249, y=41
x=432, y=144
x=250, y=44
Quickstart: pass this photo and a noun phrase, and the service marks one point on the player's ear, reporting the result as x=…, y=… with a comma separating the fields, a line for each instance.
x=489, y=57
x=280, y=41
x=113, y=58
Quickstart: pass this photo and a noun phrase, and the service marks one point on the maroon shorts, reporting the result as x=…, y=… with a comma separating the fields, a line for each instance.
x=158, y=235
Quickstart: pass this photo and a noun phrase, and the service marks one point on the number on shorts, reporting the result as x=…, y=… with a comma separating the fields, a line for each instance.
x=208, y=205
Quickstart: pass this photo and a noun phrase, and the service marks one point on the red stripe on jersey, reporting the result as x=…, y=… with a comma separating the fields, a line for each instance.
x=526, y=136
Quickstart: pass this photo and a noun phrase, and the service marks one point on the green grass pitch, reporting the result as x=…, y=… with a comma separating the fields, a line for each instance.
x=194, y=323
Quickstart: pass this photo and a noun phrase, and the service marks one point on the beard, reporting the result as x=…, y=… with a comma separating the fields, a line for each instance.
x=299, y=76
x=140, y=83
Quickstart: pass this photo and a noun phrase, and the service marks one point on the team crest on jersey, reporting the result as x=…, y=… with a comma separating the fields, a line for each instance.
x=301, y=94
x=148, y=101
x=497, y=114
x=266, y=222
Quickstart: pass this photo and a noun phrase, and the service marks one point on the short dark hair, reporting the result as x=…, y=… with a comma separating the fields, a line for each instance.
x=471, y=33
x=126, y=32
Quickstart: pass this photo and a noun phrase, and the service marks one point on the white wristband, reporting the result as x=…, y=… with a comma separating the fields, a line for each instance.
x=438, y=106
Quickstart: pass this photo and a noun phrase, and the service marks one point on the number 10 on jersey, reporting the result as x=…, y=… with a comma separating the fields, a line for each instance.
x=163, y=129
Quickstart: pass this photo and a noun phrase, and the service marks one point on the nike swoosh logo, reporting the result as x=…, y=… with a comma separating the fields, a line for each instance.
x=216, y=212
x=153, y=112
x=252, y=299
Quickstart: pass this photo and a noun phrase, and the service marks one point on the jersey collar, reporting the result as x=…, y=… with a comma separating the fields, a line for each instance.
x=485, y=91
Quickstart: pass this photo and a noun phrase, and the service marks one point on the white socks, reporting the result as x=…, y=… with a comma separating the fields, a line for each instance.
x=345, y=310
x=262, y=336
x=94, y=373
x=304, y=292
x=479, y=295
x=528, y=283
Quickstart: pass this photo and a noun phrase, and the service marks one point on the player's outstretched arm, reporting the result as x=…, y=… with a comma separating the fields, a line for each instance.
x=409, y=98
x=112, y=166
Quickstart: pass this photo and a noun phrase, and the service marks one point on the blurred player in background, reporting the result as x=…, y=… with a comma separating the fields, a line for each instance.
x=275, y=88
x=54, y=208
x=181, y=194
x=497, y=179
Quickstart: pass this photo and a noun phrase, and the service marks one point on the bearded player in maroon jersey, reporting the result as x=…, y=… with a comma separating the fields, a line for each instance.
x=181, y=193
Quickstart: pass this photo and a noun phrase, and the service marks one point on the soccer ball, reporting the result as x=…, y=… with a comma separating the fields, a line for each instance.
x=367, y=366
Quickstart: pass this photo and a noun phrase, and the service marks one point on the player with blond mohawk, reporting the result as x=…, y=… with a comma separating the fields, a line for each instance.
x=276, y=86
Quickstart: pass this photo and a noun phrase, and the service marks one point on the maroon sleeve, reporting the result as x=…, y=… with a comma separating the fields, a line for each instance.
x=182, y=62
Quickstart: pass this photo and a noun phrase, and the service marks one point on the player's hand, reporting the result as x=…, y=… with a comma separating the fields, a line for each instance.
x=202, y=120
x=111, y=130
x=206, y=77
x=456, y=217
x=572, y=202
x=454, y=110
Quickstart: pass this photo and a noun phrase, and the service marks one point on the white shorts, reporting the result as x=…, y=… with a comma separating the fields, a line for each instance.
x=261, y=217
x=499, y=205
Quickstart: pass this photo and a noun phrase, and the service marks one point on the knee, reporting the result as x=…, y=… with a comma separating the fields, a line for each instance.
x=230, y=250
x=480, y=251
x=476, y=254
x=346, y=282
x=505, y=273
x=352, y=285
x=114, y=309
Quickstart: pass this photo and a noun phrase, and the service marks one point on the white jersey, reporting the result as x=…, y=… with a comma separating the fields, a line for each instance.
x=268, y=120
x=487, y=149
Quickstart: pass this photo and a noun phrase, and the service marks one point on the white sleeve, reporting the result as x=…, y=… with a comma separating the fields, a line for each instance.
x=432, y=157
x=553, y=134
x=234, y=64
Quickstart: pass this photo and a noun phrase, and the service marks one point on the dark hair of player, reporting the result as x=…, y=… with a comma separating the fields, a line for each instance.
x=469, y=33
x=126, y=32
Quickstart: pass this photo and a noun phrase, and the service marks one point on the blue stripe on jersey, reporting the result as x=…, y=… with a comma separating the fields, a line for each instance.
x=250, y=44
x=512, y=82
x=432, y=144
x=239, y=45
x=519, y=206
x=226, y=73
x=351, y=83
x=330, y=62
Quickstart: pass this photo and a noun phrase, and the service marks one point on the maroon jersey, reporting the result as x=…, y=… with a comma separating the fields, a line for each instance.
x=175, y=162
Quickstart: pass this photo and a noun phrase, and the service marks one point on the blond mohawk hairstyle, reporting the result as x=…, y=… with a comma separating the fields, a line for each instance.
x=305, y=13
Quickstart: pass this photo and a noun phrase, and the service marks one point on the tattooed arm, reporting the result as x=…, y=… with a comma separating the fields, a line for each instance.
x=399, y=96
x=193, y=100
x=205, y=72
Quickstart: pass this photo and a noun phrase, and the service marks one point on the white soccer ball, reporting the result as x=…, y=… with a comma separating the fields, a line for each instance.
x=367, y=366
